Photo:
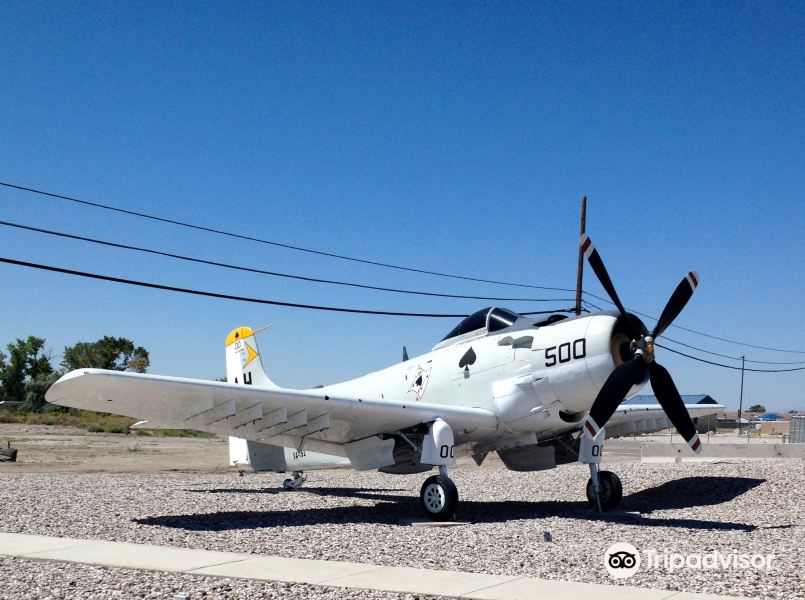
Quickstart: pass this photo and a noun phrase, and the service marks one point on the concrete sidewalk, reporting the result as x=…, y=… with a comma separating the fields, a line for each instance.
x=453, y=584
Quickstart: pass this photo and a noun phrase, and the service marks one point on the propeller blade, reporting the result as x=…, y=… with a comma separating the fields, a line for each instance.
x=603, y=276
x=672, y=404
x=677, y=302
x=614, y=390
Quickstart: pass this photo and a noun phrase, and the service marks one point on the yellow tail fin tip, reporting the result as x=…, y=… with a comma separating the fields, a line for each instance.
x=238, y=334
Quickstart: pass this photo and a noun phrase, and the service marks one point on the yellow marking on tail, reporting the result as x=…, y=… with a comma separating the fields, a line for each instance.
x=238, y=334
x=252, y=355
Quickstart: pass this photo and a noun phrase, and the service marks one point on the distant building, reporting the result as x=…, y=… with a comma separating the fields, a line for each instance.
x=771, y=417
x=765, y=423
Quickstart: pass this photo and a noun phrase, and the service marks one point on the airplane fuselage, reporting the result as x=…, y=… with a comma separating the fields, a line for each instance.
x=535, y=379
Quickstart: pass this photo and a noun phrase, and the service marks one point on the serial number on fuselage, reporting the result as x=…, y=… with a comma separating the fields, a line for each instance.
x=566, y=352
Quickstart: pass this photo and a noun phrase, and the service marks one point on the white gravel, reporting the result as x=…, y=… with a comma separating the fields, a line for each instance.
x=749, y=508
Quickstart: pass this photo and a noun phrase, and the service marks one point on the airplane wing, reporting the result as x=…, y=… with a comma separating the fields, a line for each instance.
x=277, y=416
x=647, y=418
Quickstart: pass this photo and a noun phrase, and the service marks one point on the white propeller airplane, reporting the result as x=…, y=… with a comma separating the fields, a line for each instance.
x=536, y=392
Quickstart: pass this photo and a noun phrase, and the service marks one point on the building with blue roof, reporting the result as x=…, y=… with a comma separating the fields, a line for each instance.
x=771, y=417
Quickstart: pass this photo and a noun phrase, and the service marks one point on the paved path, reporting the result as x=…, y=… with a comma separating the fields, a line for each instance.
x=453, y=584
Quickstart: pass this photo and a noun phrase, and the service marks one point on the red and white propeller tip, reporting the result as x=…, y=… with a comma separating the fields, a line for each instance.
x=695, y=443
x=586, y=245
x=590, y=427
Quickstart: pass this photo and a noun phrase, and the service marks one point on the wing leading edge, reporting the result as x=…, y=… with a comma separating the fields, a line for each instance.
x=253, y=412
x=647, y=418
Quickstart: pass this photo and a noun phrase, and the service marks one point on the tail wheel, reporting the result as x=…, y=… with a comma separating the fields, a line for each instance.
x=438, y=498
x=295, y=482
x=610, y=491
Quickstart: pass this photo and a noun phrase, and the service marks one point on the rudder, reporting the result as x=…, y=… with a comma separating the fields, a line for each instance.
x=243, y=362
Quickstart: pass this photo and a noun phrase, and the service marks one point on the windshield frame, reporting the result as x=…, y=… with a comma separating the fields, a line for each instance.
x=479, y=322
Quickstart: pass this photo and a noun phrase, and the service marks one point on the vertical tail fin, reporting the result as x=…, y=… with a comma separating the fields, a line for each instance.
x=243, y=363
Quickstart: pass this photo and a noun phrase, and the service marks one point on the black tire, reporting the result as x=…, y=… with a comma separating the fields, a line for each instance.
x=438, y=498
x=617, y=486
x=611, y=491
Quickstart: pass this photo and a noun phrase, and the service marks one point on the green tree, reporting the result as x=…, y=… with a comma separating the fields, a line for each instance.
x=757, y=408
x=116, y=354
x=35, y=390
x=26, y=362
x=2, y=372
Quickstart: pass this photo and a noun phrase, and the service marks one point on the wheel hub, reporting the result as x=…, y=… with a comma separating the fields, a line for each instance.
x=434, y=498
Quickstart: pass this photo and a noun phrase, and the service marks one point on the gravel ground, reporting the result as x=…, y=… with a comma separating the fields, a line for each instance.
x=41, y=580
x=749, y=508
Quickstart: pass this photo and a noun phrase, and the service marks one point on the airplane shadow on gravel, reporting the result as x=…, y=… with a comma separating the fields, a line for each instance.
x=393, y=508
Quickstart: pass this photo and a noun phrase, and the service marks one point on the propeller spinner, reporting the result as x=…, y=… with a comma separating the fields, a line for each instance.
x=634, y=371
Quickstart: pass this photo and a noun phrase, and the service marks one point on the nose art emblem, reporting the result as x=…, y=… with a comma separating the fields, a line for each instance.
x=469, y=358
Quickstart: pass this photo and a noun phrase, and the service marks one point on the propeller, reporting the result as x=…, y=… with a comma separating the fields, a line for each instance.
x=634, y=371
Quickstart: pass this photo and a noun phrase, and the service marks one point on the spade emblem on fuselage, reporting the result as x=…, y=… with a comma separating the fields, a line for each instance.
x=468, y=359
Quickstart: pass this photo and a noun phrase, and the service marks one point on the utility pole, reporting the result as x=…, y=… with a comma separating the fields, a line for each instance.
x=580, y=271
x=741, y=401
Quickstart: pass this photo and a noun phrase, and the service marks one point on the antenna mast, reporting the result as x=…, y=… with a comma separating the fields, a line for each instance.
x=580, y=272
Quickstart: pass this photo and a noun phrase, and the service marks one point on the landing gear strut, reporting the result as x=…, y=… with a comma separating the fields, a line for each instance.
x=604, y=489
x=296, y=482
x=438, y=497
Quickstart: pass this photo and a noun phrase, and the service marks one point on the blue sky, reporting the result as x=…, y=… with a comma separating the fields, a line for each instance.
x=443, y=136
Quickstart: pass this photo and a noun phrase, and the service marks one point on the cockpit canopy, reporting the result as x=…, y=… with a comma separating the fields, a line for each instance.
x=490, y=318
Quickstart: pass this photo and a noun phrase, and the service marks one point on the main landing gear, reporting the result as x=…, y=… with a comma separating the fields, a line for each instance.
x=438, y=497
x=295, y=482
x=604, y=489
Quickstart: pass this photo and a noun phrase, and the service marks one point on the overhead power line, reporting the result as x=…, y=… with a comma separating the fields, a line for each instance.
x=358, y=260
x=171, y=288
x=707, y=335
x=265, y=272
x=271, y=242
x=710, y=352
x=710, y=362
x=758, y=362
x=737, y=343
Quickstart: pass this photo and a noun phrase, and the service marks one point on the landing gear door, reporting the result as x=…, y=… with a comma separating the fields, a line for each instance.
x=437, y=447
x=591, y=449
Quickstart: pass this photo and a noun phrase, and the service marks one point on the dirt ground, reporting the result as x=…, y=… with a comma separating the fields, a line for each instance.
x=55, y=449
